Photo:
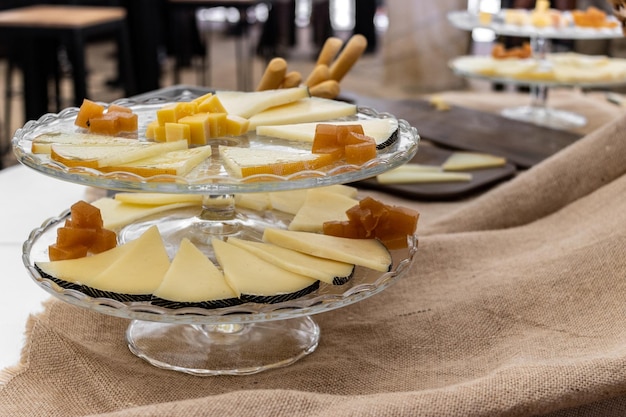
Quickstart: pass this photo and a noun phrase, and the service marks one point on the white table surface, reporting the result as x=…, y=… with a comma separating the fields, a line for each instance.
x=28, y=199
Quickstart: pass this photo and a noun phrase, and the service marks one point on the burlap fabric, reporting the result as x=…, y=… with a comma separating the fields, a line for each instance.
x=515, y=306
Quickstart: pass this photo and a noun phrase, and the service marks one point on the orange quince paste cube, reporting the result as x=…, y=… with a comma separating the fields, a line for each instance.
x=57, y=253
x=88, y=110
x=86, y=215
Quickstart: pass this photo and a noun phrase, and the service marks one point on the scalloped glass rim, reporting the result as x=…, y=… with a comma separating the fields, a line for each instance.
x=364, y=284
x=520, y=81
x=394, y=155
x=465, y=20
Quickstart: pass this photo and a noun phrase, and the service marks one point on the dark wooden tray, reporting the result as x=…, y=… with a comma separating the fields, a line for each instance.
x=523, y=144
x=482, y=179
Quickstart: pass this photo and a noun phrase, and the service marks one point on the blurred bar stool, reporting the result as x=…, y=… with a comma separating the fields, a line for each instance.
x=31, y=32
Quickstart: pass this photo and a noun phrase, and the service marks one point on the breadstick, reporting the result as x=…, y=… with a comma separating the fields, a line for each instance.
x=292, y=79
x=329, y=51
x=320, y=73
x=273, y=75
x=351, y=53
x=325, y=89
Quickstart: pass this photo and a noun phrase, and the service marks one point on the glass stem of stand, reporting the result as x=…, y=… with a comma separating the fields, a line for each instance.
x=218, y=215
x=539, y=94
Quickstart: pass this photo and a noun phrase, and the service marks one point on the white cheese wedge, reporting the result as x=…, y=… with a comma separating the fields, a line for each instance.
x=321, y=206
x=325, y=270
x=312, y=109
x=117, y=214
x=290, y=201
x=379, y=129
x=98, y=156
x=83, y=270
x=256, y=279
x=42, y=144
x=253, y=201
x=242, y=162
x=246, y=104
x=139, y=270
x=421, y=177
x=460, y=161
x=192, y=277
x=178, y=163
x=157, y=199
x=369, y=253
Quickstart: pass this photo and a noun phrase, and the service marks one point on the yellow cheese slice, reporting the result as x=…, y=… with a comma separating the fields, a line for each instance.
x=253, y=201
x=192, y=277
x=83, y=270
x=290, y=201
x=177, y=163
x=138, y=270
x=98, y=156
x=256, y=279
x=321, y=206
x=325, y=270
x=157, y=199
x=42, y=144
x=312, y=109
x=369, y=253
x=460, y=161
x=246, y=104
x=117, y=214
x=379, y=129
x=420, y=177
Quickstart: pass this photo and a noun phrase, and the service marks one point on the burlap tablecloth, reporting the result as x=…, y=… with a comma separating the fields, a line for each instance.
x=514, y=306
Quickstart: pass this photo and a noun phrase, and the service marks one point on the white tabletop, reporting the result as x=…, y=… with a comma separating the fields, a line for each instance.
x=28, y=198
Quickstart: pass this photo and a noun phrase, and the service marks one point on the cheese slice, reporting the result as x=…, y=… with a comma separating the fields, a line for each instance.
x=325, y=270
x=420, y=177
x=117, y=214
x=460, y=161
x=243, y=162
x=369, y=253
x=42, y=144
x=381, y=130
x=312, y=109
x=246, y=104
x=177, y=163
x=157, y=199
x=255, y=279
x=83, y=270
x=321, y=206
x=98, y=156
x=192, y=277
x=291, y=201
x=253, y=201
x=139, y=270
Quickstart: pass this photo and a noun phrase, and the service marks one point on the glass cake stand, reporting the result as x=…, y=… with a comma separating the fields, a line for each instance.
x=235, y=340
x=537, y=111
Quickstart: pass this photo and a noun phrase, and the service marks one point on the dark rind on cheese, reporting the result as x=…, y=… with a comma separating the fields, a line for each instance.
x=125, y=298
x=68, y=285
x=343, y=280
x=208, y=304
x=279, y=298
x=390, y=141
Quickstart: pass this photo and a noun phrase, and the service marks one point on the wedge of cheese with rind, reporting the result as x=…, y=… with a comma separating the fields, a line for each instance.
x=312, y=109
x=193, y=280
x=369, y=253
x=177, y=163
x=290, y=201
x=257, y=280
x=117, y=214
x=461, y=161
x=422, y=177
x=246, y=104
x=383, y=131
x=42, y=144
x=325, y=270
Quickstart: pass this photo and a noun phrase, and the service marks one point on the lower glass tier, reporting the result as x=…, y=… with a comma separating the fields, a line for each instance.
x=547, y=117
x=223, y=349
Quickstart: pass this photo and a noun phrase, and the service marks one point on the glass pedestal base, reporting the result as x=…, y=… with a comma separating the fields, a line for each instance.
x=223, y=349
x=547, y=117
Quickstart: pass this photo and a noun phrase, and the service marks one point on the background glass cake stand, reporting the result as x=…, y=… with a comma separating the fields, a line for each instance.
x=235, y=340
x=537, y=111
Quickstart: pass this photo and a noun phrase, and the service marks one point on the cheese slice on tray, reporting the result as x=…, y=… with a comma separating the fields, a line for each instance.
x=402, y=176
x=243, y=162
x=257, y=280
x=42, y=144
x=383, y=131
x=193, y=279
x=246, y=104
x=321, y=206
x=98, y=156
x=460, y=161
x=312, y=109
x=369, y=253
x=178, y=163
x=325, y=270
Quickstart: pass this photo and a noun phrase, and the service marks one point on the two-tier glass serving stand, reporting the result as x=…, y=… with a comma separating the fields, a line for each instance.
x=537, y=111
x=235, y=340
